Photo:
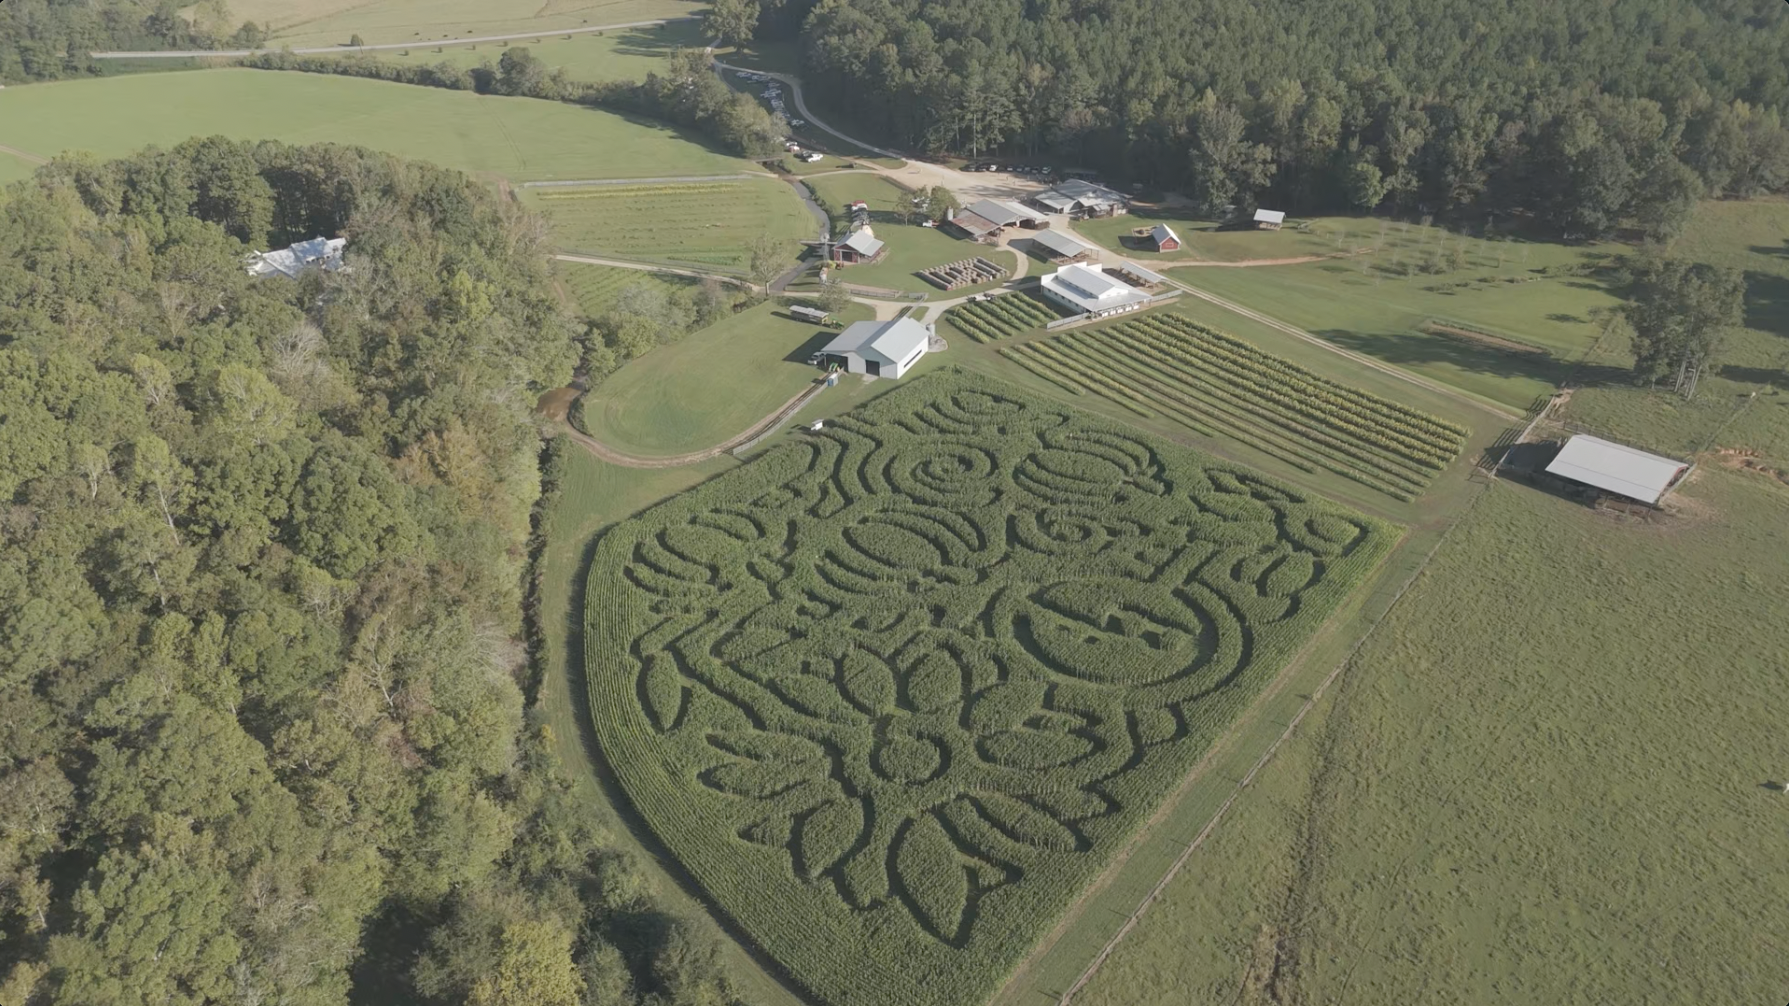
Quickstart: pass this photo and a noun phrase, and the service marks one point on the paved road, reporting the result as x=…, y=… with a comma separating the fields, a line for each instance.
x=384, y=47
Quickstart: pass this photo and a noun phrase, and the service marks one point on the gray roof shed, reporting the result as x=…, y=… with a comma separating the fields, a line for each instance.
x=1616, y=468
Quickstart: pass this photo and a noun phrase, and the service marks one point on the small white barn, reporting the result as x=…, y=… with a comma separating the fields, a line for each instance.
x=1616, y=468
x=317, y=253
x=880, y=348
x=1088, y=291
x=1269, y=220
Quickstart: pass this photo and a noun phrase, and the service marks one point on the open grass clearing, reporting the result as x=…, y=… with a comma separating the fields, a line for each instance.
x=623, y=54
x=592, y=289
x=708, y=386
x=701, y=224
x=1507, y=799
x=1202, y=241
x=518, y=138
x=1362, y=305
x=981, y=803
x=378, y=22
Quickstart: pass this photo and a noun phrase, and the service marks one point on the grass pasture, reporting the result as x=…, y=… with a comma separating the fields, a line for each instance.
x=1214, y=383
x=1002, y=317
x=378, y=22
x=593, y=288
x=702, y=224
x=896, y=691
x=624, y=54
x=518, y=138
x=710, y=385
x=1202, y=241
x=1500, y=802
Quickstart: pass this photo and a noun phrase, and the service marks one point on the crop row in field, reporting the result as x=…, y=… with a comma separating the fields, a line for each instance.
x=1216, y=384
x=894, y=693
x=1001, y=317
x=594, y=287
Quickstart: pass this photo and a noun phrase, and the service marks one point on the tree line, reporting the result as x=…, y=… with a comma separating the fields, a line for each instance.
x=1586, y=116
x=264, y=682
x=687, y=93
x=51, y=39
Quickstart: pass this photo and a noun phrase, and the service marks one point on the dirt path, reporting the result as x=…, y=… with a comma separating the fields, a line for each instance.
x=26, y=156
x=383, y=47
x=763, y=426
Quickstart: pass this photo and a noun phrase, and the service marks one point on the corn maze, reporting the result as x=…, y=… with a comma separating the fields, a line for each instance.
x=894, y=693
x=1215, y=384
x=1001, y=317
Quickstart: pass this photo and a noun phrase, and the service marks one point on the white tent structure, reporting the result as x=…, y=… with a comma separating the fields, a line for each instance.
x=318, y=253
x=1616, y=468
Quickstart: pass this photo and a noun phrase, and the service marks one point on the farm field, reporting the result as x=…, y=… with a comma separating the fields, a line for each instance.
x=979, y=776
x=1362, y=305
x=593, y=288
x=334, y=22
x=519, y=138
x=708, y=386
x=707, y=225
x=1201, y=241
x=1499, y=804
x=1002, y=317
x=910, y=247
x=624, y=54
x=1750, y=236
x=1210, y=382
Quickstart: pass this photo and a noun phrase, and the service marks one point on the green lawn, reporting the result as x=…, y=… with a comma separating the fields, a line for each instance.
x=910, y=247
x=14, y=168
x=521, y=138
x=1361, y=304
x=701, y=224
x=1544, y=781
x=709, y=386
x=1202, y=241
x=334, y=22
x=1750, y=236
x=624, y=54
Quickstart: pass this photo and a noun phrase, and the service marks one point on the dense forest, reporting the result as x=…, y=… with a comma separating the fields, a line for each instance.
x=264, y=547
x=1587, y=116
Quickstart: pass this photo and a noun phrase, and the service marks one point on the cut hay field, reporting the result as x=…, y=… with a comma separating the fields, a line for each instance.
x=708, y=386
x=1365, y=304
x=702, y=224
x=334, y=22
x=624, y=54
x=894, y=693
x=518, y=138
x=1546, y=778
x=1212, y=383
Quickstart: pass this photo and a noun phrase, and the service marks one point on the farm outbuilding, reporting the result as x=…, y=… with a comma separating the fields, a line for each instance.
x=317, y=253
x=1079, y=198
x=1164, y=239
x=1061, y=246
x=1616, y=468
x=1269, y=220
x=879, y=348
x=860, y=247
x=1088, y=291
x=973, y=226
x=802, y=312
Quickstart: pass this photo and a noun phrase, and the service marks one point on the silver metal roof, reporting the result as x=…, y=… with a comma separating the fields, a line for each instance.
x=1270, y=216
x=1617, y=468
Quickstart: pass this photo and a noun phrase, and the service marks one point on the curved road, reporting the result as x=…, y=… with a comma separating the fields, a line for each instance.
x=383, y=47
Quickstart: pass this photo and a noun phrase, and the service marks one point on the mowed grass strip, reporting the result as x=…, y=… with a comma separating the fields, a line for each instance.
x=626, y=54
x=518, y=138
x=708, y=224
x=432, y=22
x=896, y=691
x=593, y=288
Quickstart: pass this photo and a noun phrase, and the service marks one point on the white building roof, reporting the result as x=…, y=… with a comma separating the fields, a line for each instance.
x=1092, y=290
x=1063, y=243
x=888, y=341
x=1163, y=233
x=1089, y=193
x=863, y=242
x=1000, y=211
x=1056, y=201
x=1270, y=216
x=325, y=253
x=1617, y=468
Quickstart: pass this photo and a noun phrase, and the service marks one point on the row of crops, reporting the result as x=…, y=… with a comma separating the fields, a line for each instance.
x=1216, y=384
x=895, y=694
x=1000, y=317
x=703, y=223
x=594, y=288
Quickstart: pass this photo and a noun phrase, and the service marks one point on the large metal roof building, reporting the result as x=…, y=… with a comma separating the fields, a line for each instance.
x=1615, y=468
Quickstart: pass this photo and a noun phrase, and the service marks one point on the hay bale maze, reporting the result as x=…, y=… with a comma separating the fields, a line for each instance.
x=964, y=272
x=894, y=693
x=1213, y=383
x=1001, y=317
